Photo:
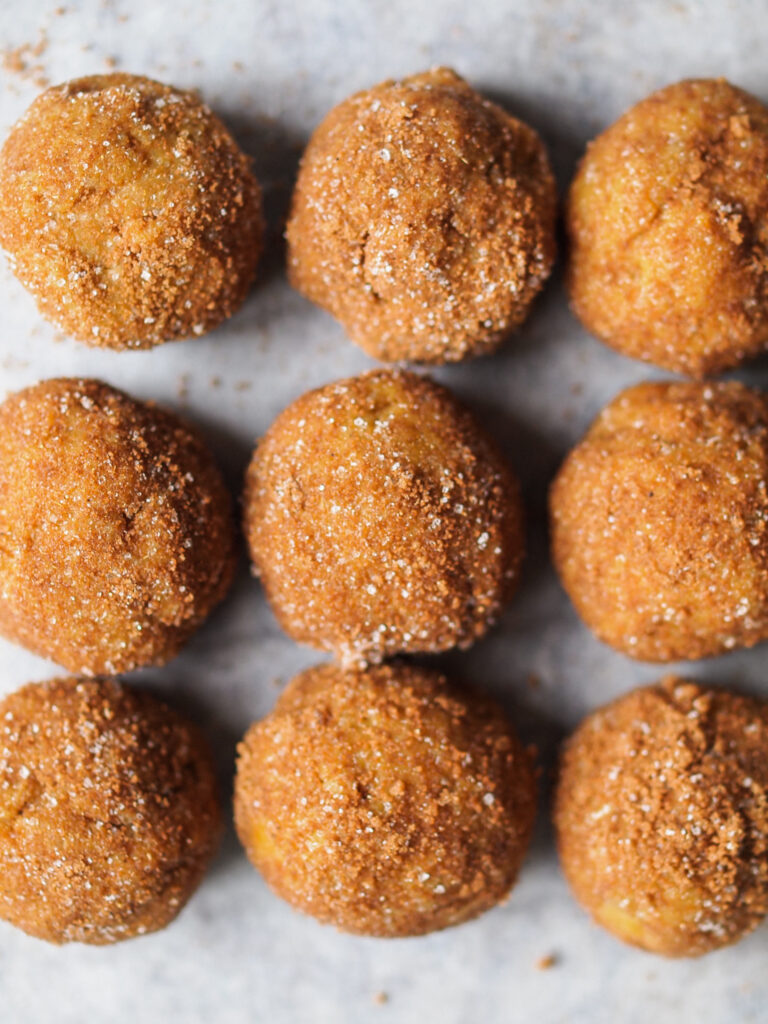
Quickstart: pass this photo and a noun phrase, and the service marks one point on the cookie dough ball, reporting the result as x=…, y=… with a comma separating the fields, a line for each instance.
x=423, y=219
x=116, y=533
x=668, y=222
x=660, y=521
x=383, y=801
x=382, y=520
x=109, y=815
x=662, y=817
x=128, y=211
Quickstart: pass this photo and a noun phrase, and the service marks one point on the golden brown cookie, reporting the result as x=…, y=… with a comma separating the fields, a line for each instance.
x=383, y=801
x=116, y=531
x=109, y=815
x=423, y=219
x=662, y=816
x=668, y=223
x=660, y=521
x=381, y=519
x=129, y=212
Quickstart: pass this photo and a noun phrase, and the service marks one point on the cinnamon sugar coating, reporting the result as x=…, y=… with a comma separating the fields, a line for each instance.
x=109, y=815
x=116, y=532
x=128, y=211
x=382, y=520
x=384, y=802
x=662, y=816
x=423, y=219
x=668, y=223
x=660, y=521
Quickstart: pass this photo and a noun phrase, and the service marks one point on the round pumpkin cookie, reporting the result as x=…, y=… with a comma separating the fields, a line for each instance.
x=660, y=521
x=423, y=219
x=116, y=531
x=109, y=815
x=382, y=520
x=662, y=816
x=384, y=802
x=128, y=211
x=668, y=223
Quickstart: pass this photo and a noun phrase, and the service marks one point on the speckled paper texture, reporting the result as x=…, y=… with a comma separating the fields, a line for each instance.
x=271, y=70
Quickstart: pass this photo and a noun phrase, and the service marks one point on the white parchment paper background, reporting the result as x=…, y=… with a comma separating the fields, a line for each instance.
x=271, y=69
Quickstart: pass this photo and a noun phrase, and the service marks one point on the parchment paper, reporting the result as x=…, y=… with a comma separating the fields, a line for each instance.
x=271, y=69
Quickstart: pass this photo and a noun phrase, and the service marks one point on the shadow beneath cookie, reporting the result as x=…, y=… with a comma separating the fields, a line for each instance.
x=222, y=736
x=754, y=373
x=275, y=150
x=538, y=730
x=564, y=142
x=231, y=452
x=517, y=696
x=533, y=457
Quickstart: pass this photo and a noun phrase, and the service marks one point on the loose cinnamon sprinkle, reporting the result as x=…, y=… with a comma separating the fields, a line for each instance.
x=23, y=61
x=109, y=815
x=662, y=816
x=116, y=537
x=544, y=963
x=381, y=998
x=129, y=212
x=660, y=521
x=423, y=219
x=382, y=520
x=384, y=801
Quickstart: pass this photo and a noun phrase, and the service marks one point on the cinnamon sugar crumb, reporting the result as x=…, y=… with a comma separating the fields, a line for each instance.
x=23, y=61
